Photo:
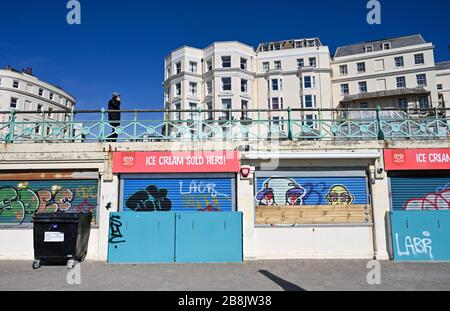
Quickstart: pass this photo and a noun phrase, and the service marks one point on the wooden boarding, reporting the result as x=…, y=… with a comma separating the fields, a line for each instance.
x=318, y=214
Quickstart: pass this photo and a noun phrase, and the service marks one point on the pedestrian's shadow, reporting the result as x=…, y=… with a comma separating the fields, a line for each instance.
x=285, y=285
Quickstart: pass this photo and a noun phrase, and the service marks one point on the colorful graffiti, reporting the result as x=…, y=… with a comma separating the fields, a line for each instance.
x=281, y=191
x=149, y=200
x=339, y=195
x=20, y=200
x=204, y=194
x=432, y=201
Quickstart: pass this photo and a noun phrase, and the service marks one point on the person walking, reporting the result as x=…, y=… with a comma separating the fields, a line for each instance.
x=114, y=115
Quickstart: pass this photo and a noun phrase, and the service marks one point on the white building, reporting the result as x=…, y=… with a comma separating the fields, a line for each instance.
x=234, y=76
x=443, y=83
x=23, y=92
x=392, y=73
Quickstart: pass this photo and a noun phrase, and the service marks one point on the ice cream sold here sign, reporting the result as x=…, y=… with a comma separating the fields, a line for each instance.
x=176, y=162
x=417, y=159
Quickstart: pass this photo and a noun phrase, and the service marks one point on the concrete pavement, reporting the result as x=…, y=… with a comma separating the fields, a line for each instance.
x=291, y=275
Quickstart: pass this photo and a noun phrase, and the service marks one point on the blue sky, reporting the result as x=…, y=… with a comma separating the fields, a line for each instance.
x=121, y=45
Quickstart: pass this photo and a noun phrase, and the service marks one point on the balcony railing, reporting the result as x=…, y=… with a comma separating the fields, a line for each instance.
x=258, y=125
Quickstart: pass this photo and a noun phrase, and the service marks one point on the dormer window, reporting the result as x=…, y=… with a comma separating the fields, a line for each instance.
x=386, y=46
x=368, y=48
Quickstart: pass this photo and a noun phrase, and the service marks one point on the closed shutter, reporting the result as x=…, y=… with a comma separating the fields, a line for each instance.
x=20, y=199
x=420, y=193
x=182, y=194
x=313, y=190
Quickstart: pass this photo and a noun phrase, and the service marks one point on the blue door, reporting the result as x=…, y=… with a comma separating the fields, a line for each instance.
x=141, y=238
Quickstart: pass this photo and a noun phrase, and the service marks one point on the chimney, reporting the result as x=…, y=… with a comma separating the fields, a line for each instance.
x=28, y=71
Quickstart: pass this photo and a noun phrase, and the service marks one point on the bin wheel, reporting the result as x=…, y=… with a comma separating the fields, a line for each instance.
x=70, y=264
x=36, y=264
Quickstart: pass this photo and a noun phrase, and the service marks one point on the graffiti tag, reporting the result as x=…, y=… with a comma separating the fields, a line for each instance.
x=431, y=201
x=415, y=246
x=115, y=226
x=196, y=187
x=149, y=200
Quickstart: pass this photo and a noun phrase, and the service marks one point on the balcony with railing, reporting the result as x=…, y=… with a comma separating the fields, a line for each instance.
x=230, y=125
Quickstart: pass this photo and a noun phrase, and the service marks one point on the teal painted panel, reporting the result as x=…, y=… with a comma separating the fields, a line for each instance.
x=141, y=238
x=209, y=237
x=421, y=235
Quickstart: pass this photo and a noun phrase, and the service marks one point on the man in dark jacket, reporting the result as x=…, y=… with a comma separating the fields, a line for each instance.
x=114, y=115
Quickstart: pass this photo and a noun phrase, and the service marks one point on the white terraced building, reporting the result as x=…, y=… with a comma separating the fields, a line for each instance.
x=21, y=91
x=233, y=75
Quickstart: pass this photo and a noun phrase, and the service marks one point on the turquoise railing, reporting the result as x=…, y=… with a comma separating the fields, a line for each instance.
x=230, y=125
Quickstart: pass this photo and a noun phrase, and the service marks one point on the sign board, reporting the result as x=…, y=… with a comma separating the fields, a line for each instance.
x=416, y=159
x=176, y=162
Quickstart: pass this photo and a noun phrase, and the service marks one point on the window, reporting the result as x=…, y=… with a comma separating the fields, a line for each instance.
x=361, y=67
x=307, y=82
x=193, y=115
x=15, y=84
x=274, y=84
x=422, y=80
x=13, y=103
x=244, y=108
x=363, y=106
x=177, y=114
x=41, y=92
x=312, y=62
x=277, y=65
x=368, y=49
x=343, y=70
x=363, y=87
x=276, y=103
x=193, y=88
x=226, y=61
x=50, y=113
x=226, y=84
x=209, y=108
x=244, y=86
x=386, y=46
x=424, y=102
x=178, y=89
x=193, y=67
x=39, y=107
x=243, y=63
x=399, y=62
x=52, y=96
x=309, y=101
x=419, y=59
x=278, y=122
x=401, y=82
x=169, y=73
x=178, y=67
x=310, y=120
x=345, y=89
x=209, y=87
x=440, y=87
x=226, y=105
x=402, y=103
x=300, y=63
x=209, y=65
x=266, y=66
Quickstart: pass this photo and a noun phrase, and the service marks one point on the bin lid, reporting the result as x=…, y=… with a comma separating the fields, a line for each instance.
x=60, y=216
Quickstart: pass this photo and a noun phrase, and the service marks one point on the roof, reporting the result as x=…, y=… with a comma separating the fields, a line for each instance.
x=388, y=93
x=443, y=65
x=396, y=43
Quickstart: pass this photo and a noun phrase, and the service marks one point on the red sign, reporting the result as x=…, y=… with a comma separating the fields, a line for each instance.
x=176, y=162
x=416, y=159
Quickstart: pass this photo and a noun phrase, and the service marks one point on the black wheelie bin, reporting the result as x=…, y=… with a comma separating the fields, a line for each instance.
x=61, y=238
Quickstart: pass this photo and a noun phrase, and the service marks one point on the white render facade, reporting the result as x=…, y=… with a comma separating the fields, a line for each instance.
x=21, y=91
x=232, y=75
x=398, y=73
x=392, y=73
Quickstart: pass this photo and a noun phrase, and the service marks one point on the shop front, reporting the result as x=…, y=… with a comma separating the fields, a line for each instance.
x=189, y=198
x=420, y=203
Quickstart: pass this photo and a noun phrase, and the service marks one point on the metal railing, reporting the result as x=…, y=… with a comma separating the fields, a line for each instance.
x=230, y=125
